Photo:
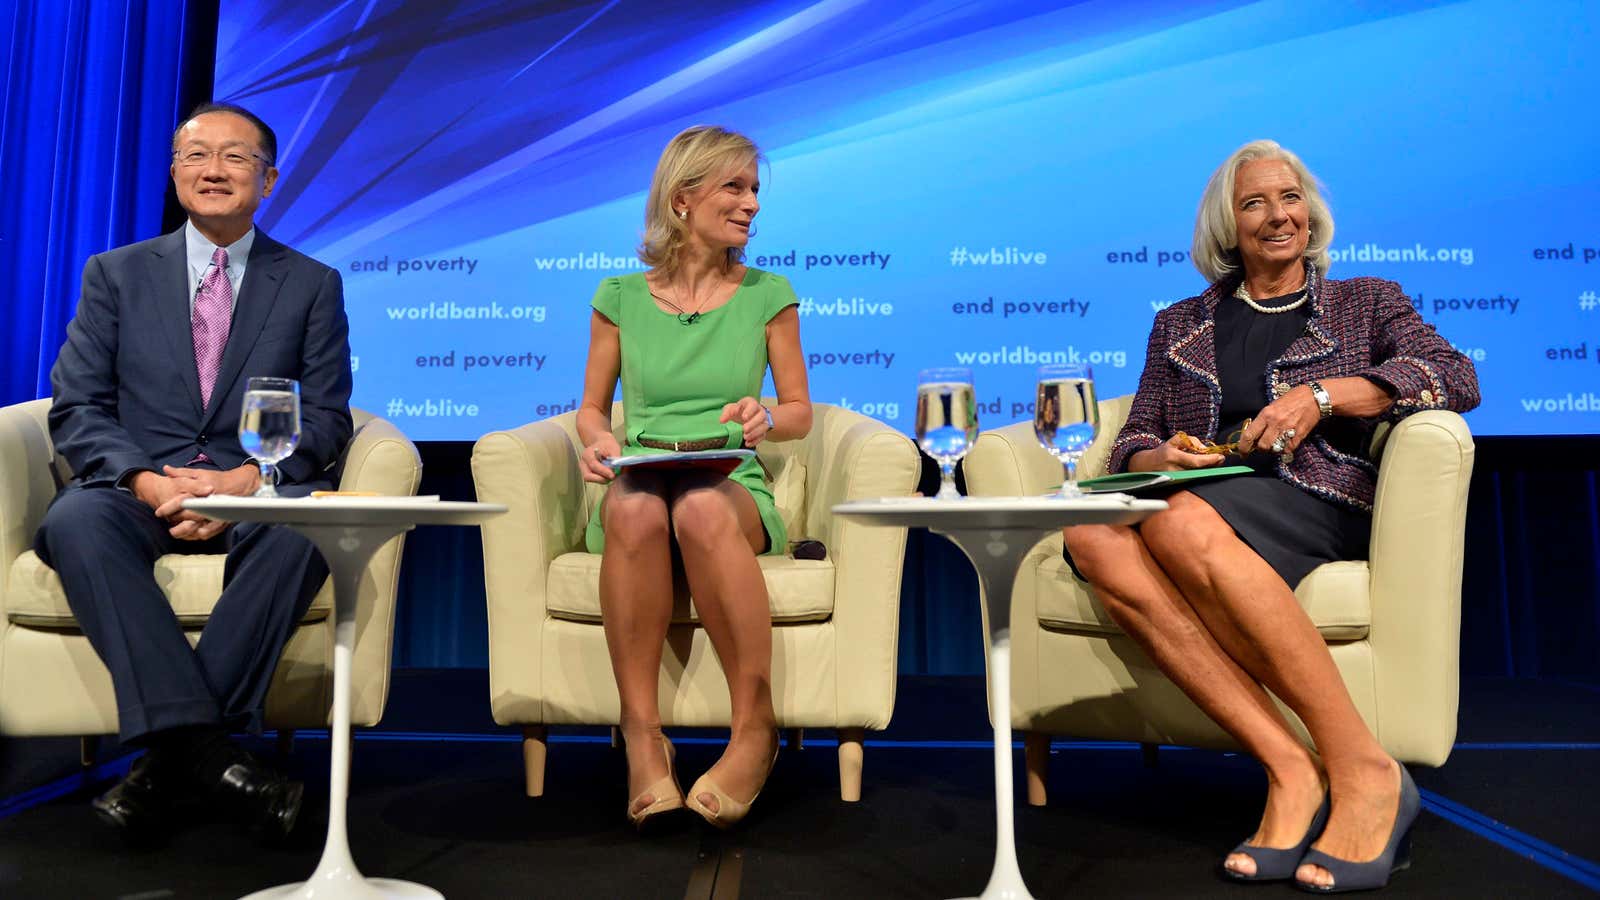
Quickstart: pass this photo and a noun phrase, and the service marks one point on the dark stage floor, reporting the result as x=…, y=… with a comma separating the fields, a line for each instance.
x=437, y=799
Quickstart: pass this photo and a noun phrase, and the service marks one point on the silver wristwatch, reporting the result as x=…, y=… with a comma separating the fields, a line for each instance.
x=1324, y=402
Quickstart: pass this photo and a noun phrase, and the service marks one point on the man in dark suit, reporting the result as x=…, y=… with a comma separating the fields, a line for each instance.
x=147, y=393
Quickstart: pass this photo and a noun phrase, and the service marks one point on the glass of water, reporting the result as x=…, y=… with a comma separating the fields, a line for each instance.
x=947, y=421
x=1066, y=417
x=269, y=426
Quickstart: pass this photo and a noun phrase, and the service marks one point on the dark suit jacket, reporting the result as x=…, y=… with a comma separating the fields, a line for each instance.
x=1361, y=326
x=125, y=387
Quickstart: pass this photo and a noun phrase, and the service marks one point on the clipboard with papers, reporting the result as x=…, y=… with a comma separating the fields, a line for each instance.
x=723, y=461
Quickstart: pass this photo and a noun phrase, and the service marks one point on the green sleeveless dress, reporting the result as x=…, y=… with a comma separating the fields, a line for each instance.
x=676, y=378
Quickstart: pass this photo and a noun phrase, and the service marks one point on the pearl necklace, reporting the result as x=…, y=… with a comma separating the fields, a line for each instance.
x=1243, y=293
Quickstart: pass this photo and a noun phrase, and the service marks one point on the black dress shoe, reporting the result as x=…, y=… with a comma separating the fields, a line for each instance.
x=141, y=806
x=254, y=794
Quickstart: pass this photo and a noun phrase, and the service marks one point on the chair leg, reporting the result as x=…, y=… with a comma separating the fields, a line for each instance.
x=1036, y=756
x=88, y=746
x=796, y=738
x=1150, y=754
x=850, y=760
x=533, y=754
x=285, y=741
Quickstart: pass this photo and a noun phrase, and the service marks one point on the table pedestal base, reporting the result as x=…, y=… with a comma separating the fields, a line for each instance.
x=347, y=550
x=995, y=534
x=353, y=888
x=997, y=554
x=347, y=531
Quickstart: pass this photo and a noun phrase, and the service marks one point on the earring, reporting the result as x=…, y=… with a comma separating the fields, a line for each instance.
x=683, y=214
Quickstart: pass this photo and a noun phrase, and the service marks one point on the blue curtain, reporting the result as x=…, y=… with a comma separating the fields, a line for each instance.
x=92, y=91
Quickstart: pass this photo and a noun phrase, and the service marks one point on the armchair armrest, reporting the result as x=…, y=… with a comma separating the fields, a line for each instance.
x=861, y=458
x=1418, y=530
x=1008, y=461
x=381, y=459
x=27, y=480
x=533, y=470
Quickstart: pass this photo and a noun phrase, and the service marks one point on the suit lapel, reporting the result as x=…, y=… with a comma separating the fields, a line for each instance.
x=263, y=275
x=1313, y=343
x=170, y=280
x=1195, y=354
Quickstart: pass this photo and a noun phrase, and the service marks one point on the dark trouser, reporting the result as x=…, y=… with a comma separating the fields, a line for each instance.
x=104, y=542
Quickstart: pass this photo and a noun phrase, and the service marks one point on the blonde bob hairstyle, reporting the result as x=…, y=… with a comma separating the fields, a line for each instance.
x=694, y=155
x=1216, y=232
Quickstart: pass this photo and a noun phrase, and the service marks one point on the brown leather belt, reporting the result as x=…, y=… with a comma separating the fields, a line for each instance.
x=683, y=446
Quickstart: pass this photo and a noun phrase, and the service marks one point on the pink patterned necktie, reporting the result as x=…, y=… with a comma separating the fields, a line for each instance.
x=213, y=309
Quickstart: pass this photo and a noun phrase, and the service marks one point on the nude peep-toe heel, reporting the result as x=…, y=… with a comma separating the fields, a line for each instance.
x=729, y=811
x=669, y=796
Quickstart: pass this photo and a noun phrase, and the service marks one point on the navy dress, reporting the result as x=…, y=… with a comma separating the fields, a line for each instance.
x=1292, y=530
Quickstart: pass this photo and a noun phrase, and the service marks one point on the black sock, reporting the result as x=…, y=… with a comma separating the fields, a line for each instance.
x=213, y=755
x=203, y=752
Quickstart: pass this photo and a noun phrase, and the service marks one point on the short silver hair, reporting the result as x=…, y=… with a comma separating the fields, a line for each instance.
x=1215, y=251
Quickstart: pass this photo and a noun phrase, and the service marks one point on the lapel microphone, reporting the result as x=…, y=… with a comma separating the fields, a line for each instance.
x=684, y=318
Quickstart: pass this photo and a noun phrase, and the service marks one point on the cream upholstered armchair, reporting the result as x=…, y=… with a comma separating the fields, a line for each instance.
x=53, y=683
x=1392, y=622
x=835, y=620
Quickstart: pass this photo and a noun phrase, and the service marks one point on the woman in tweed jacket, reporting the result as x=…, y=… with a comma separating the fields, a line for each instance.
x=1296, y=369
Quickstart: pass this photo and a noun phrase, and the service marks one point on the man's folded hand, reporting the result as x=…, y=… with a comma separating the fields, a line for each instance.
x=239, y=482
x=165, y=494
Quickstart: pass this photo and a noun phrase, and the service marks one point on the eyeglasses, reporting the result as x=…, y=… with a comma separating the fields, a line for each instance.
x=1196, y=445
x=233, y=159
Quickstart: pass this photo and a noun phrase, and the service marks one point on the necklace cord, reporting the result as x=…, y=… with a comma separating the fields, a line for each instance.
x=684, y=317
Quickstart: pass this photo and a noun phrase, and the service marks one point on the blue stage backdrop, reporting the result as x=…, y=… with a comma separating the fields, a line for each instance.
x=993, y=184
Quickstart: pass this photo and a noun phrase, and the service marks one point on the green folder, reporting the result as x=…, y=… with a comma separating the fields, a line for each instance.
x=1133, y=482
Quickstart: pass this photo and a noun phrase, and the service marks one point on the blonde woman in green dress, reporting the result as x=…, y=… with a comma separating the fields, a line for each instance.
x=691, y=340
